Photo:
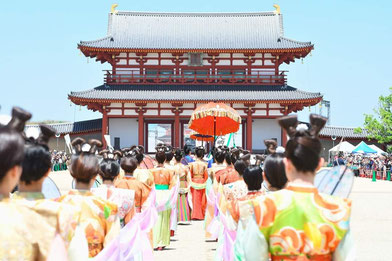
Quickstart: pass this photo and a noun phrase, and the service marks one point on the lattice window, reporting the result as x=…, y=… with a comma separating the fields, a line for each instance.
x=195, y=59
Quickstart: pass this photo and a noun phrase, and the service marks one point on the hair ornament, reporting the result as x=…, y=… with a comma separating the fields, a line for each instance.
x=317, y=122
x=107, y=154
x=302, y=127
x=289, y=124
x=19, y=119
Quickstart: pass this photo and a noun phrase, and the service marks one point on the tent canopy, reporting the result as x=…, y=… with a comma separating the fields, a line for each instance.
x=364, y=148
x=379, y=151
x=344, y=147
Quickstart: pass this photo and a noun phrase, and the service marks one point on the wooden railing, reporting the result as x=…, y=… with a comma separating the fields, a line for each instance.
x=193, y=77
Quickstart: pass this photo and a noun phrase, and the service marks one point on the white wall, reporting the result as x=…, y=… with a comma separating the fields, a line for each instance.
x=265, y=129
x=125, y=129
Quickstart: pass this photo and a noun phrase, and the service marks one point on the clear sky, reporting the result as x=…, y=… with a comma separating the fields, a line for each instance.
x=40, y=63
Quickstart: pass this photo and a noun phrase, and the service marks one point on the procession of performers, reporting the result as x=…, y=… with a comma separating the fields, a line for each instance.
x=258, y=207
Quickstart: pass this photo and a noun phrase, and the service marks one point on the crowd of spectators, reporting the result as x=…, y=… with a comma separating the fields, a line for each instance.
x=364, y=165
x=59, y=160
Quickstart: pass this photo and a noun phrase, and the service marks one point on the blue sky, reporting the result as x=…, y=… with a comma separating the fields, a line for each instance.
x=40, y=63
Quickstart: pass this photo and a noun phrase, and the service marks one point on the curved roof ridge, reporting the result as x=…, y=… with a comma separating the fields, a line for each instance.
x=148, y=13
x=295, y=41
x=97, y=40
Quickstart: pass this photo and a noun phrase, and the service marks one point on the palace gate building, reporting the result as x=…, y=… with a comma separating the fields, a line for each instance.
x=163, y=65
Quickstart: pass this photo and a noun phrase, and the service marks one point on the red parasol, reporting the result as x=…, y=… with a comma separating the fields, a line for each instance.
x=215, y=119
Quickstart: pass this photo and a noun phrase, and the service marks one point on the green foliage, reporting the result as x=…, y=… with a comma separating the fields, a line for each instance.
x=379, y=125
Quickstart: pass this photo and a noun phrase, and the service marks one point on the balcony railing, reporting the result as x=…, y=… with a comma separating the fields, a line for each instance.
x=193, y=77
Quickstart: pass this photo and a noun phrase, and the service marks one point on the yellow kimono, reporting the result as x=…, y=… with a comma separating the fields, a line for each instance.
x=67, y=215
x=98, y=218
x=25, y=235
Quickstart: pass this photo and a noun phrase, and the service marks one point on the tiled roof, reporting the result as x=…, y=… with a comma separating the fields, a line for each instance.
x=339, y=132
x=194, y=93
x=197, y=31
x=76, y=127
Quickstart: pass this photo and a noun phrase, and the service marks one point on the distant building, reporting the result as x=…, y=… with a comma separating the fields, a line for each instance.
x=164, y=65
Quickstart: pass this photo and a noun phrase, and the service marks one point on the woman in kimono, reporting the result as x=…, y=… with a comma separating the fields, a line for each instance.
x=199, y=176
x=109, y=169
x=98, y=217
x=36, y=167
x=141, y=173
x=183, y=210
x=129, y=164
x=188, y=157
x=237, y=189
x=163, y=179
x=228, y=174
x=297, y=222
x=24, y=235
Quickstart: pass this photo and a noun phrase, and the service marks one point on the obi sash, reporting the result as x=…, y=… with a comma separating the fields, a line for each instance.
x=161, y=187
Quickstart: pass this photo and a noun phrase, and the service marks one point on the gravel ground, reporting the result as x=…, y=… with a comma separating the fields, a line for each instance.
x=371, y=225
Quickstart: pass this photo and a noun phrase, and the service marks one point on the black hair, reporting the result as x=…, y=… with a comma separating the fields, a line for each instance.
x=137, y=152
x=160, y=155
x=84, y=164
x=303, y=148
x=11, y=141
x=240, y=166
x=199, y=151
x=178, y=155
x=169, y=153
x=228, y=157
x=109, y=169
x=253, y=177
x=187, y=149
x=274, y=170
x=38, y=159
x=219, y=154
x=129, y=164
x=36, y=163
x=11, y=150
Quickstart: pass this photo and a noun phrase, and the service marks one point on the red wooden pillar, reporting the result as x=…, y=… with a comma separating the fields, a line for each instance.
x=177, y=129
x=141, y=128
x=104, y=126
x=249, y=123
x=249, y=131
x=141, y=112
x=177, y=111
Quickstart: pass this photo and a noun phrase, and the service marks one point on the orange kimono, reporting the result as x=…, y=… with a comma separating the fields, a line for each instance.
x=142, y=192
x=145, y=176
x=199, y=175
x=227, y=175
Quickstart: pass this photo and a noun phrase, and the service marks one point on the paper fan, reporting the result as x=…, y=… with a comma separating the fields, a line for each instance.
x=337, y=181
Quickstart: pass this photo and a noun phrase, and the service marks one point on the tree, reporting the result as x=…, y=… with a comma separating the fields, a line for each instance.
x=379, y=125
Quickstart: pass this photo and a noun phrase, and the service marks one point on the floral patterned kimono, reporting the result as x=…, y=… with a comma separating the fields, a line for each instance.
x=98, y=218
x=67, y=215
x=123, y=198
x=296, y=223
x=199, y=177
x=141, y=191
x=163, y=179
x=26, y=233
x=235, y=190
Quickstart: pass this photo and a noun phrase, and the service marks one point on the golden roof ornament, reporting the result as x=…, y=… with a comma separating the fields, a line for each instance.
x=277, y=9
x=113, y=9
